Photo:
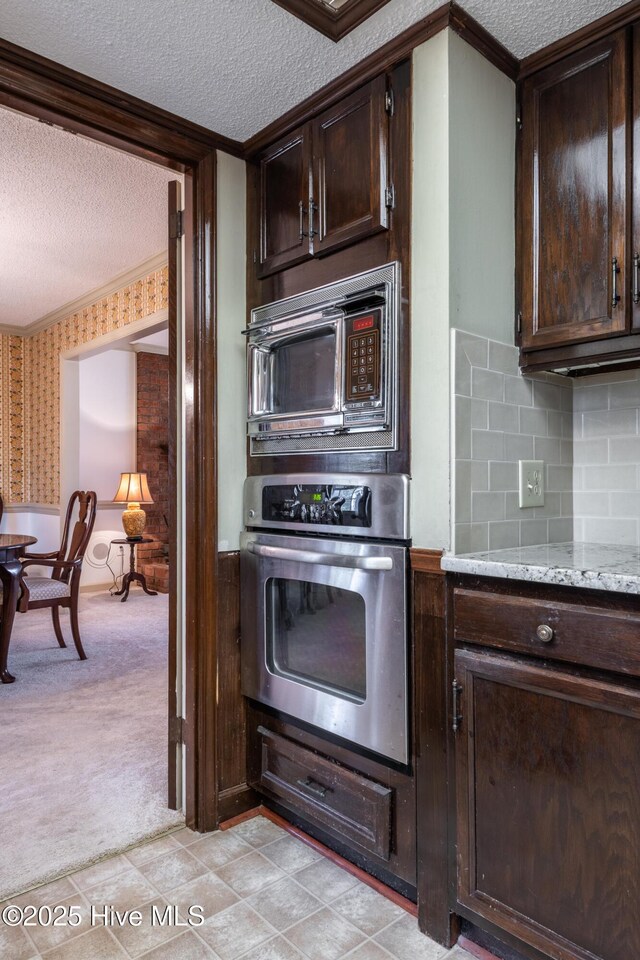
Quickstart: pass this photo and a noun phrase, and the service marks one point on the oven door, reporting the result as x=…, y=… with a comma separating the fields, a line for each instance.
x=324, y=636
x=295, y=377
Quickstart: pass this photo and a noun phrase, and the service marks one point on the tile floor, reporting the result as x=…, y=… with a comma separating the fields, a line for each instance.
x=264, y=894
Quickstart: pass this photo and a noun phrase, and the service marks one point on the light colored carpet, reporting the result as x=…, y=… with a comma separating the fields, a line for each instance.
x=83, y=748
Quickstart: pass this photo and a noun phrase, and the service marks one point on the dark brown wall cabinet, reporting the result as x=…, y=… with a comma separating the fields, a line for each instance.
x=578, y=234
x=326, y=184
x=547, y=792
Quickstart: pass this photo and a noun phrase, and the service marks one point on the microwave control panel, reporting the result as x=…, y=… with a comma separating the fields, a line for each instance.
x=363, y=357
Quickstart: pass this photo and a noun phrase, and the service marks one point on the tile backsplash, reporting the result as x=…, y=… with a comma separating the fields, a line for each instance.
x=586, y=429
x=500, y=417
x=606, y=449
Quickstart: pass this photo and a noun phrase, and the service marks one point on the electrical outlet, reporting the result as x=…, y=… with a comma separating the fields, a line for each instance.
x=531, y=483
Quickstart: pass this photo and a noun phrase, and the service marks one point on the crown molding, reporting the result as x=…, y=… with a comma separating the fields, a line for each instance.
x=387, y=56
x=484, y=42
x=333, y=23
x=575, y=41
x=399, y=48
x=88, y=104
x=93, y=296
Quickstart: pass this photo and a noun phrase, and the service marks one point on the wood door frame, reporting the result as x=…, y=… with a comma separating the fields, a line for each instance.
x=54, y=94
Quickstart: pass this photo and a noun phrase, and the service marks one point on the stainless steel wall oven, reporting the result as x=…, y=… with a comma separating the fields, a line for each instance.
x=324, y=613
x=322, y=368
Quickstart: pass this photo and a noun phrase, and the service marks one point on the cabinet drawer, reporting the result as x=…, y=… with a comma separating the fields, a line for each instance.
x=346, y=803
x=589, y=635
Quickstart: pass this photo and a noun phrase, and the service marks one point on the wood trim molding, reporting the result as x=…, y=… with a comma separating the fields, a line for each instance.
x=45, y=89
x=575, y=41
x=478, y=37
x=333, y=23
x=389, y=55
x=426, y=561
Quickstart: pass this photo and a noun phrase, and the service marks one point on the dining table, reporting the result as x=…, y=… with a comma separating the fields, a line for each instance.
x=12, y=546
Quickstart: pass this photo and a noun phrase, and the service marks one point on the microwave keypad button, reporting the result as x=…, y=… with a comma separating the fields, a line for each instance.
x=364, y=370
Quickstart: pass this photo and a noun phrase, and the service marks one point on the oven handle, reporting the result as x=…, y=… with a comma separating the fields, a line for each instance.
x=326, y=559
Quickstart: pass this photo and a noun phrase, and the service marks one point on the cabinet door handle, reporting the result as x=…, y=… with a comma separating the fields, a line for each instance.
x=313, y=206
x=544, y=633
x=615, y=270
x=457, y=715
x=302, y=214
x=636, y=278
x=313, y=787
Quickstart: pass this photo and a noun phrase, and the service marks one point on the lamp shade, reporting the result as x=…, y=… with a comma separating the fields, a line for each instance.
x=133, y=489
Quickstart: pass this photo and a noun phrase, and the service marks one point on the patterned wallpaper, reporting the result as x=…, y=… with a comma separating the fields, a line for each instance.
x=30, y=387
x=12, y=418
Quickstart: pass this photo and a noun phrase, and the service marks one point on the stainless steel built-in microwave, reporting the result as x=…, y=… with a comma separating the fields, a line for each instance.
x=322, y=368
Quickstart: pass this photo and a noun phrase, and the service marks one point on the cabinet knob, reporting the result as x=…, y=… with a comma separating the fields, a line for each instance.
x=251, y=514
x=544, y=633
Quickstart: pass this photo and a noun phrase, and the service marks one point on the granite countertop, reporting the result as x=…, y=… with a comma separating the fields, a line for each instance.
x=594, y=566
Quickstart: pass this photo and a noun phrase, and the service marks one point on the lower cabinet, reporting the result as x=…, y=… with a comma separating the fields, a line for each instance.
x=547, y=801
x=361, y=808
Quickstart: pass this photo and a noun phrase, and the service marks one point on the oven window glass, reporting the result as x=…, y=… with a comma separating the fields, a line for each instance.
x=316, y=634
x=304, y=373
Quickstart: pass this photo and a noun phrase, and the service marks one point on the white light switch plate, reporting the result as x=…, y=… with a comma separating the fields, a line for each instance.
x=531, y=483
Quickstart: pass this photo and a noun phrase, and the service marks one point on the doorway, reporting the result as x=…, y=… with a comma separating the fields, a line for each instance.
x=42, y=358
x=54, y=94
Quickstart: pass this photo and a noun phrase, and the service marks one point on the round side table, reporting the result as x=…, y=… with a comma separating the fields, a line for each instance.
x=133, y=575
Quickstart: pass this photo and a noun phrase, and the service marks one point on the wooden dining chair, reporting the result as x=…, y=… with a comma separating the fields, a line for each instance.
x=62, y=588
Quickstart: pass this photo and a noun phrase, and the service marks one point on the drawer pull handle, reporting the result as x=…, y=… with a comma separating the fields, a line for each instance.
x=544, y=633
x=313, y=787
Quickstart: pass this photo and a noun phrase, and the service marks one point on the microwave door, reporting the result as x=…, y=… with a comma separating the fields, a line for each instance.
x=296, y=379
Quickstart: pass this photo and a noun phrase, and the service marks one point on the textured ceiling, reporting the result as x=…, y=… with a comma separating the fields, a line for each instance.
x=236, y=65
x=73, y=215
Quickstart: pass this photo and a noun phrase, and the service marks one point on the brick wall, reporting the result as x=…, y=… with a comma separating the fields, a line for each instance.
x=152, y=444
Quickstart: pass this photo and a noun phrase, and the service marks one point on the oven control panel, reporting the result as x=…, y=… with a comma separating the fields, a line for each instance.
x=310, y=503
x=363, y=357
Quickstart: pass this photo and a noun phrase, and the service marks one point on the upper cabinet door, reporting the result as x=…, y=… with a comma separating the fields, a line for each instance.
x=284, y=202
x=350, y=146
x=634, y=284
x=573, y=284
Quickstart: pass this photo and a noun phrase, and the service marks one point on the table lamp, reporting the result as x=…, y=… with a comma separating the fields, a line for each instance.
x=133, y=491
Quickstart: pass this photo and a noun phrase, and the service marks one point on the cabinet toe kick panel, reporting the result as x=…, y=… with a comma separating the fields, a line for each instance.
x=345, y=803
